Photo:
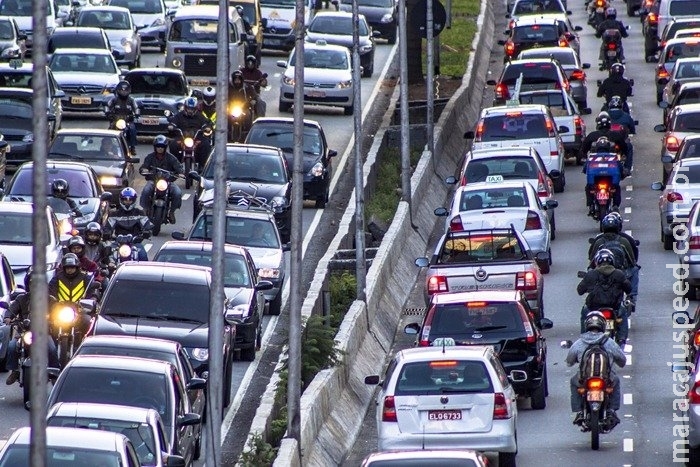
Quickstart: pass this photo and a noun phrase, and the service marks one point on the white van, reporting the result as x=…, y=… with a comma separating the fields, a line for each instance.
x=278, y=33
x=21, y=11
x=676, y=9
x=145, y=12
x=191, y=43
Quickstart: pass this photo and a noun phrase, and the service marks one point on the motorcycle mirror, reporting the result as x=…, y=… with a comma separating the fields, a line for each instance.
x=591, y=240
x=566, y=344
x=264, y=75
x=194, y=175
x=26, y=323
x=599, y=82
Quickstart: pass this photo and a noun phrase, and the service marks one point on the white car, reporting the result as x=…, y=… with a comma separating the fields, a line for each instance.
x=499, y=204
x=327, y=77
x=677, y=197
x=447, y=398
x=145, y=12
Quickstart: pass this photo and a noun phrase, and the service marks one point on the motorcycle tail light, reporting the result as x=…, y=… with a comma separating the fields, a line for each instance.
x=121, y=124
x=125, y=251
x=652, y=18
x=607, y=314
x=612, y=46
x=188, y=142
x=161, y=185
x=595, y=384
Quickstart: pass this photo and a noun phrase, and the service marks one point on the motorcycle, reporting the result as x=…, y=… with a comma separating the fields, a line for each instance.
x=240, y=119
x=160, y=204
x=596, y=13
x=66, y=325
x=603, y=176
x=24, y=343
x=124, y=248
x=187, y=146
x=611, y=49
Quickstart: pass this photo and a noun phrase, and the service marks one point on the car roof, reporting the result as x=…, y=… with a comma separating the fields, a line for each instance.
x=681, y=40
x=530, y=60
x=288, y=120
x=105, y=8
x=479, y=295
x=21, y=207
x=336, y=14
x=687, y=60
x=203, y=11
x=72, y=438
x=529, y=19
x=524, y=108
x=196, y=245
x=102, y=411
x=132, y=342
x=120, y=362
x=258, y=148
x=324, y=46
x=88, y=132
x=688, y=85
x=512, y=151
x=421, y=354
x=73, y=50
x=486, y=185
x=156, y=70
x=686, y=108
x=240, y=211
x=17, y=92
x=64, y=31
x=552, y=50
x=688, y=162
x=423, y=454
x=156, y=271
x=26, y=65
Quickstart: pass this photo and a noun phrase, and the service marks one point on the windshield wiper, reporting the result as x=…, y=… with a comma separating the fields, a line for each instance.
x=446, y=390
x=173, y=318
x=250, y=179
x=63, y=154
x=15, y=242
x=122, y=315
x=489, y=328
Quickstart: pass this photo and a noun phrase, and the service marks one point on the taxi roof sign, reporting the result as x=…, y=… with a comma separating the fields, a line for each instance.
x=494, y=178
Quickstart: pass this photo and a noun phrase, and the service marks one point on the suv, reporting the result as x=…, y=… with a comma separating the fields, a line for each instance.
x=255, y=229
x=499, y=318
x=537, y=73
x=166, y=301
x=534, y=31
x=677, y=9
x=317, y=165
x=523, y=125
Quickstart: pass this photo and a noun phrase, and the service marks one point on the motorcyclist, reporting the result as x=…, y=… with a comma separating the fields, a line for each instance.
x=594, y=326
x=612, y=23
x=76, y=245
x=95, y=249
x=616, y=85
x=252, y=76
x=208, y=105
x=190, y=120
x=20, y=309
x=160, y=158
x=623, y=122
x=612, y=228
x=122, y=105
x=127, y=208
x=606, y=286
x=59, y=198
x=239, y=91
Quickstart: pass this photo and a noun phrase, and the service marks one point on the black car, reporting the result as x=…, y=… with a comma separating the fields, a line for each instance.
x=84, y=188
x=650, y=31
x=245, y=301
x=258, y=171
x=106, y=151
x=158, y=93
x=74, y=37
x=166, y=301
x=381, y=15
x=532, y=32
x=499, y=318
x=317, y=165
x=136, y=382
x=16, y=123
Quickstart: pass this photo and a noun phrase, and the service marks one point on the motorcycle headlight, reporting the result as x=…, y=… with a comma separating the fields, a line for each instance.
x=28, y=138
x=345, y=84
x=108, y=180
x=188, y=142
x=161, y=185
x=120, y=124
x=27, y=338
x=177, y=63
x=65, y=315
x=236, y=111
x=125, y=251
x=317, y=170
x=269, y=273
x=288, y=81
x=387, y=18
x=201, y=355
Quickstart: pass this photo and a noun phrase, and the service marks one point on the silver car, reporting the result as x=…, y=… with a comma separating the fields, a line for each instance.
x=689, y=251
x=682, y=121
x=121, y=31
x=327, y=77
x=678, y=197
x=426, y=458
x=11, y=39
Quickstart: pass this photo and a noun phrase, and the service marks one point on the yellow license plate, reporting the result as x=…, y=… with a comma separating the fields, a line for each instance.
x=149, y=121
x=81, y=100
x=200, y=82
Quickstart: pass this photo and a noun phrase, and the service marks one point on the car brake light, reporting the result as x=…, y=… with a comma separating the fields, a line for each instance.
x=533, y=221
x=510, y=48
x=525, y=280
x=563, y=42
x=541, y=186
x=694, y=243
x=480, y=129
x=456, y=224
x=511, y=24
x=424, y=337
x=530, y=336
x=578, y=75
x=595, y=384
x=443, y=363
x=578, y=122
x=514, y=114
x=550, y=129
x=389, y=410
x=502, y=91
x=476, y=304
x=661, y=72
x=437, y=284
x=501, y=406
x=696, y=339
x=652, y=18
x=674, y=196
x=672, y=143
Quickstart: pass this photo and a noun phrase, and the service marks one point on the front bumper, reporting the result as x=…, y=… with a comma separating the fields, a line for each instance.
x=245, y=335
x=96, y=104
x=314, y=187
x=278, y=41
x=332, y=97
x=20, y=152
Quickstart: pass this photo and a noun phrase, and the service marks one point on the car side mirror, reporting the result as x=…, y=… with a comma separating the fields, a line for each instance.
x=585, y=66
x=586, y=111
x=197, y=384
x=281, y=63
x=469, y=134
x=657, y=186
x=660, y=128
x=88, y=306
x=374, y=379
x=422, y=262
x=542, y=256
x=189, y=419
x=178, y=235
x=22, y=37
x=264, y=285
x=501, y=42
x=441, y=212
x=411, y=329
x=332, y=153
x=551, y=204
x=578, y=28
x=545, y=323
x=491, y=82
x=194, y=175
x=517, y=376
x=175, y=461
x=451, y=180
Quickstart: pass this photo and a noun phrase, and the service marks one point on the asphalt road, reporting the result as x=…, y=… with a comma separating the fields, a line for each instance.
x=645, y=436
x=338, y=129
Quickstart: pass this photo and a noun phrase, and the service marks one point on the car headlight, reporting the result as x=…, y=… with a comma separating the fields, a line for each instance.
x=269, y=273
x=27, y=338
x=108, y=180
x=167, y=113
x=345, y=84
x=158, y=22
x=65, y=315
x=28, y=138
x=288, y=80
x=317, y=170
x=366, y=48
x=238, y=311
x=176, y=62
x=125, y=251
x=278, y=202
x=199, y=354
x=387, y=18
x=188, y=142
x=161, y=185
x=127, y=45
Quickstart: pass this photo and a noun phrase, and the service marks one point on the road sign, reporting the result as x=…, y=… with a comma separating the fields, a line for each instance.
x=418, y=18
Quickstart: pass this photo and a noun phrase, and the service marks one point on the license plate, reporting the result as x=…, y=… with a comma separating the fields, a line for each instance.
x=602, y=195
x=273, y=41
x=81, y=100
x=609, y=325
x=612, y=53
x=317, y=94
x=600, y=165
x=199, y=82
x=594, y=396
x=149, y=121
x=600, y=10
x=440, y=415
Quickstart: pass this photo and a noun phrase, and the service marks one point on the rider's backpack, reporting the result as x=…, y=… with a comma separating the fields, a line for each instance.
x=595, y=361
x=622, y=260
x=604, y=293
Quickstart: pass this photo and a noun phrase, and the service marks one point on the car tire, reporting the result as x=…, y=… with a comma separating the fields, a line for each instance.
x=667, y=240
x=197, y=447
x=544, y=266
x=284, y=106
x=506, y=459
x=392, y=38
x=275, y=305
x=538, y=396
x=368, y=72
x=630, y=9
x=248, y=355
x=691, y=294
x=553, y=226
x=559, y=183
x=226, y=399
x=349, y=110
x=321, y=202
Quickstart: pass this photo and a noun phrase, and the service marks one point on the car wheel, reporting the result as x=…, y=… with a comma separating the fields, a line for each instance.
x=559, y=183
x=553, y=226
x=349, y=110
x=538, y=395
x=275, y=306
x=321, y=201
x=226, y=399
x=197, y=447
x=285, y=106
x=392, y=38
x=369, y=71
x=544, y=266
x=630, y=9
x=667, y=240
x=506, y=459
x=248, y=355
x=692, y=291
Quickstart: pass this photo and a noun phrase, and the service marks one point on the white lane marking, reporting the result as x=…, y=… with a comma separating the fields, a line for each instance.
x=629, y=359
x=628, y=347
x=628, y=232
x=627, y=399
x=628, y=445
x=148, y=247
x=627, y=376
x=628, y=210
x=628, y=188
x=267, y=335
x=186, y=196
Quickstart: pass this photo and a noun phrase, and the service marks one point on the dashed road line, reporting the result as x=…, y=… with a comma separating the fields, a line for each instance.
x=628, y=445
x=148, y=247
x=629, y=358
x=628, y=210
x=186, y=196
x=627, y=399
x=628, y=188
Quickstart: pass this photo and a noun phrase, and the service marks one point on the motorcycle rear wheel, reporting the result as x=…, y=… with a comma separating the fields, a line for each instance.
x=595, y=429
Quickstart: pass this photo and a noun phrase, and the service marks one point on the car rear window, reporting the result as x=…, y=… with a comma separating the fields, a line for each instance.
x=443, y=376
x=525, y=7
x=553, y=100
x=481, y=247
x=493, y=198
x=679, y=25
x=690, y=96
x=564, y=55
x=125, y=351
x=464, y=319
x=239, y=231
x=687, y=174
x=536, y=33
x=686, y=122
x=15, y=79
x=514, y=125
x=688, y=49
x=510, y=168
x=62, y=456
x=281, y=135
x=82, y=41
x=250, y=166
x=684, y=8
x=532, y=73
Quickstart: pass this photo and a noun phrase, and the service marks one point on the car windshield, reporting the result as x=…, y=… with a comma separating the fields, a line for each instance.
x=152, y=83
x=481, y=247
x=140, y=434
x=116, y=386
x=687, y=174
x=61, y=457
x=139, y=6
x=86, y=63
x=105, y=19
x=514, y=125
x=126, y=351
x=318, y=58
x=684, y=8
x=78, y=182
x=510, y=168
x=461, y=320
x=440, y=377
x=253, y=167
x=158, y=300
x=373, y=3
x=15, y=79
x=687, y=49
x=193, y=30
x=15, y=109
x=336, y=25
x=525, y=7
x=488, y=198
x=15, y=229
x=564, y=55
x=277, y=3
x=17, y=7
x=688, y=70
x=7, y=32
x=239, y=231
x=235, y=268
x=535, y=33
x=86, y=147
x=282, y=136
x=247, y=12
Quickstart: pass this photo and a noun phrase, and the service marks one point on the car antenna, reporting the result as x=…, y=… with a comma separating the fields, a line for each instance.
x=136, y=328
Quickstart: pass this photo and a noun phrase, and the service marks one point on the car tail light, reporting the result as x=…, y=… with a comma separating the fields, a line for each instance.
x=511, y=24
x=578, y=75
x=479, y=133
x=541, y=186
x=578, y=122
x=501, y=407
x=530, y=336
x=533, y=221
x=502, y=91
x=672, y=143
x=661, y=72
x=652, y=18
x=456, y=224
x=510, y=48
x=612, y=46
x=595, y=384
x=674, y=196
x=563, y=42
x=696, y=339
x=424, y=340
x=694, y=243
x=389, y=410
x=550, y=129
x=437, y=284
x=526, y=280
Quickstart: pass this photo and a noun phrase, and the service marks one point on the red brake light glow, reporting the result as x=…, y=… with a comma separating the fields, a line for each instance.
x=674, y=196
x=595, y=384
x=501, y=406
x=672, y=143
x=694, y=242
x=443, y=363
x=578, y=75
x=456, y=224
x=476, y=304
x=533, y=221
x=437, y=284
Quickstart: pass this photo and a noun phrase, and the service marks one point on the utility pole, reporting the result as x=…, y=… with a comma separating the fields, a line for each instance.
x=430, y=76
x=39, y=286
x=403, y=91
x=216, y=312
x=360, y=263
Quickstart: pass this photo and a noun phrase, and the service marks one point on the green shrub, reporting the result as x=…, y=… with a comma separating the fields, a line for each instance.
x=259, y=454
x=343, y=289
x=387, y=194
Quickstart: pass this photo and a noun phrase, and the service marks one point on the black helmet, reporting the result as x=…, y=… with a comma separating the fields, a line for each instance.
x=604, y=256
x=611, y=13
x=127, y=198
x=123, y=89
x=60, y=188
x=595, y=321
x=251, y=59
x=603, y=144
x=70, y=260
x=76, y=241
x=617, y=69
x=612, y=223
x=603, y=121
x=28, y=280
x=93, y=233
x=160, y=141
x=209, y=95
x=615, y=102
x=237, y=75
